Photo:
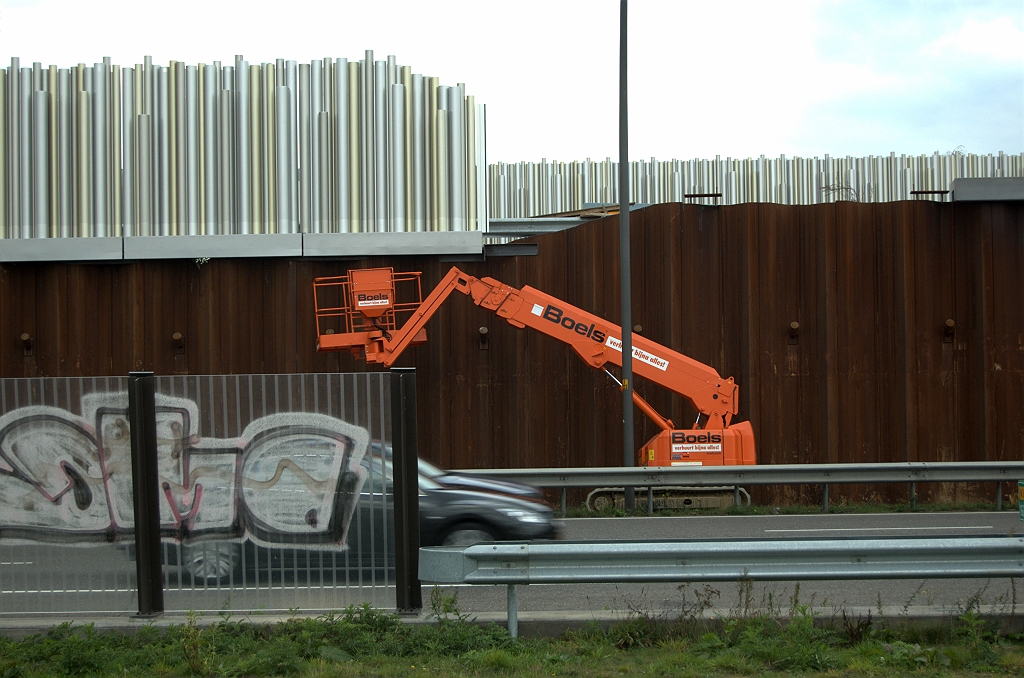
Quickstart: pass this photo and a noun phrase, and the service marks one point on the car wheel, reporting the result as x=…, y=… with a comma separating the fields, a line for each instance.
x=468, y=534
x=210, y=563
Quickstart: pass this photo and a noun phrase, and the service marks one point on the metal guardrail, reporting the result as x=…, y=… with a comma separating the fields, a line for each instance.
x=514, y=563
x=778, y=474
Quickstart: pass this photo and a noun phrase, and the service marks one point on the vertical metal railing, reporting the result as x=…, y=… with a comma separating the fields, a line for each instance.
x=332, y=146
x=526, y=189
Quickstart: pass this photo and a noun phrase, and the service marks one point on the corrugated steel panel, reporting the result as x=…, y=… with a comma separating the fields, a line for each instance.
x=873, y=373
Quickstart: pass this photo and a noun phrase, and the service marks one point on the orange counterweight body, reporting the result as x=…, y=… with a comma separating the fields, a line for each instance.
x=366, y=313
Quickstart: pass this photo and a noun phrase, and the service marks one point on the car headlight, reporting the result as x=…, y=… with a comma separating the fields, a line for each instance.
x=524, y=516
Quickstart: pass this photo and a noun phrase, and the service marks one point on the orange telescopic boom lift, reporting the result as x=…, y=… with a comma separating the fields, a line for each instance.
x=359, y=312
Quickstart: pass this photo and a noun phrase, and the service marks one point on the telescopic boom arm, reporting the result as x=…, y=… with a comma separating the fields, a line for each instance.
x=370, y=293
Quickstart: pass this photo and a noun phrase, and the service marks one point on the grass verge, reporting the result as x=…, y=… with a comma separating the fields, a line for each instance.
x=362, y=641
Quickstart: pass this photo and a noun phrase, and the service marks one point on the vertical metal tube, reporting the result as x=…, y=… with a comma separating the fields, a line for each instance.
x=65, y=172
x=324, y=155
x=624, y=258
x=243, y=154
x=99, y=151
x=200, y=162
x=52, y=165
x=431, y=108
x=13, y=127
x=82, y=188
x=148, y=87
x=405, y=79
x=457, y=160
x=355, y=176
x=481, y=163
x=292, y=83
x=305, y=157
x=418, y=148
x=380, y=146
x=368, y=121
x=341, y=148
x=227, y=161
x=316, y=104
x=41, y=173
x=3, y=153
x=210, y=119
x=24, y=152
x=128, y=184
x=162, y=152
x=255, y=151
x=192, y=150
x=285, y=219
x=269, y=149
x=440, y=172
x=114, y=159
x=179, y=156
x=470, y=155
x=397, y=187
x=144, y=164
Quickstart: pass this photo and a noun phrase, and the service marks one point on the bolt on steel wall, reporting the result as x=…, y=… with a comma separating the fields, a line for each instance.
x=329, y=146
x=530, y=189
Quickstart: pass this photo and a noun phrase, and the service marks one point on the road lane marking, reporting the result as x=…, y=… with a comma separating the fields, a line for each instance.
x=17, y=562
x=883, y=529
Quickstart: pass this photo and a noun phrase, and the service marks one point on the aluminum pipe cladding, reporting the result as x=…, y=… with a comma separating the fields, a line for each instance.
x=41, y=174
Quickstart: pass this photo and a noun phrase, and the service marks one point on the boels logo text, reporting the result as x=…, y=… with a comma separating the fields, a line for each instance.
x=556, y=315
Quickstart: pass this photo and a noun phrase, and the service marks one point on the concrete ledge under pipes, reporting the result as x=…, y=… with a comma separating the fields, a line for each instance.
x=993, y=188
x=292, y=245
x=379, y=244
x=61, y=249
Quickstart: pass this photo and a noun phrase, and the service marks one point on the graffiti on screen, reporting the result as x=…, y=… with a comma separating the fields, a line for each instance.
x=289, y=477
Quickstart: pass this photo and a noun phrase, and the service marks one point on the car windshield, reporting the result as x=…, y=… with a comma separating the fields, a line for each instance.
x=374, y=465
x=429, y=470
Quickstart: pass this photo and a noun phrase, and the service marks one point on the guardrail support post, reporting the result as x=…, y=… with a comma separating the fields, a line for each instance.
x=913, y=496
x=999, y=495
x=824, y=498
x=563, y=502
x=513, y=612
x=145, y=492
x=404, y=451
x=650, y=500
x=736, y=495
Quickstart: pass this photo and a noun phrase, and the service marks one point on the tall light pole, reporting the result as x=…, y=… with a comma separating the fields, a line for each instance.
x=625, y=289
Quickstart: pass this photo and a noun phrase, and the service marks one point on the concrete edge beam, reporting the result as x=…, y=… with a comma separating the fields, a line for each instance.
x=213, y=246
x=276, y=245
x=391, y=244
x=993, y=188
x=61, y=249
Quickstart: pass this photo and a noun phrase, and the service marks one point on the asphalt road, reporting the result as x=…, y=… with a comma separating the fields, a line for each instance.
x=894, y=596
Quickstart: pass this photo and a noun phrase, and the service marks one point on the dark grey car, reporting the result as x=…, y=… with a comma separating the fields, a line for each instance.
x=464, y=510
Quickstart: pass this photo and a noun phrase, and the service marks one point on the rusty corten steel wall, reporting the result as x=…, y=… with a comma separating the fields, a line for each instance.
x=870, y=375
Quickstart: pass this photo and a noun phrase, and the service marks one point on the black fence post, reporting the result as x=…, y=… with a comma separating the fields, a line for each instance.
x=405, y=457
x=145, y=492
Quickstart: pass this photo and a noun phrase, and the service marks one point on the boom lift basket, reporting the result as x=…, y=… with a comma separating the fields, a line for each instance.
x=372, y=302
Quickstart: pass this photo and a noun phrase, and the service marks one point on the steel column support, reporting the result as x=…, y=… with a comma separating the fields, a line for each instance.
x=404, y=451
x=625, y=286
x=145, y=492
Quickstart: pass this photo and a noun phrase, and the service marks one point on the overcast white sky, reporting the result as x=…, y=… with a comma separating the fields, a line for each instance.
x=731, y=77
